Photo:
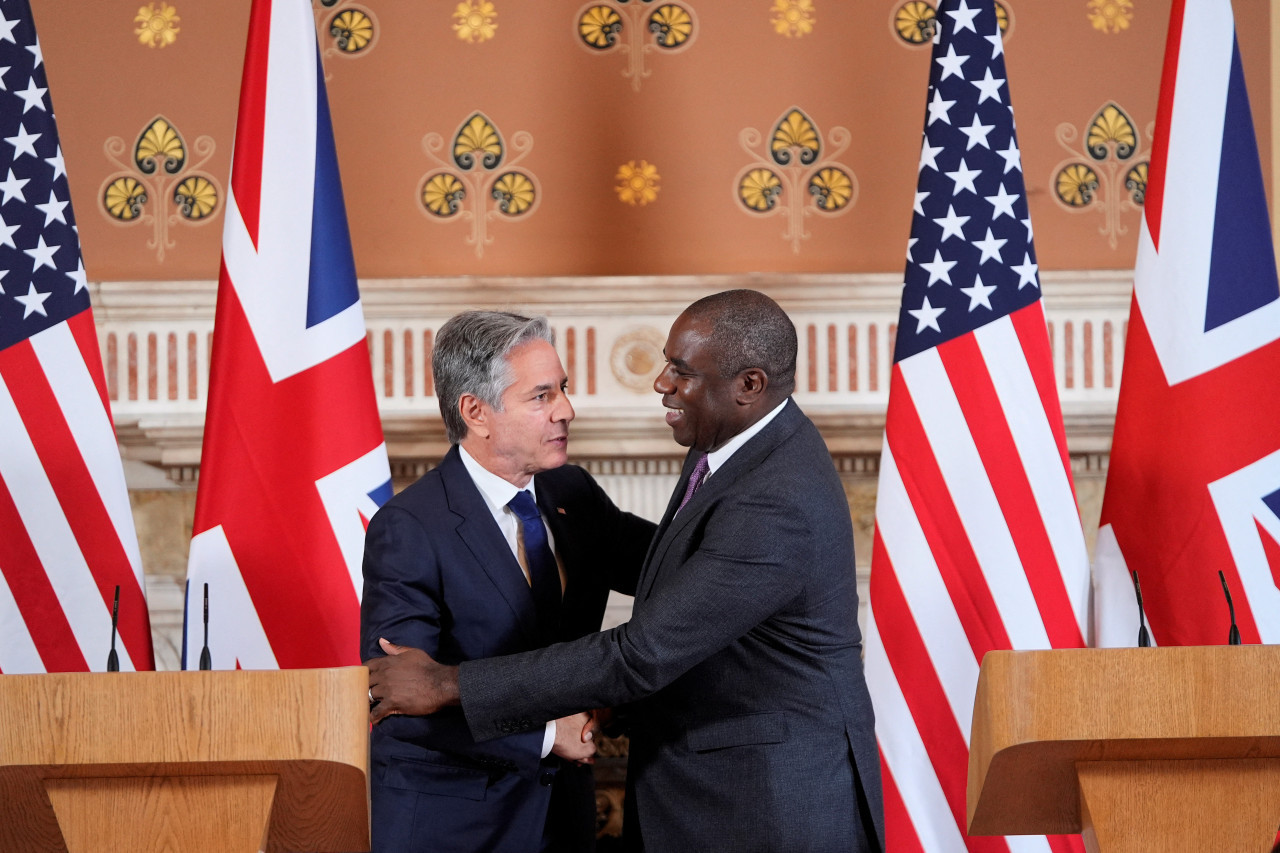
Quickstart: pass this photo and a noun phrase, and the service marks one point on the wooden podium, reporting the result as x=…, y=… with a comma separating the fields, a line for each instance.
x=185, y=761
x=1139, y=749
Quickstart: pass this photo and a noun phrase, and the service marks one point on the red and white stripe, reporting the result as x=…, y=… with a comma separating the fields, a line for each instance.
x=68, y=535
x=978, y=546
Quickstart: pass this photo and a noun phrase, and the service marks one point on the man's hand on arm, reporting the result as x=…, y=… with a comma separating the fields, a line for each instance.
x=575, y=738
x=409, y=681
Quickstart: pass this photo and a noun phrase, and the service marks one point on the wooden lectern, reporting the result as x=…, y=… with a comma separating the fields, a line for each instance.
x=1139, y=749
x=185, y=761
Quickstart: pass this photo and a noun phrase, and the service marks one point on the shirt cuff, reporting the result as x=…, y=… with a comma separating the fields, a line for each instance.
x=549, y=738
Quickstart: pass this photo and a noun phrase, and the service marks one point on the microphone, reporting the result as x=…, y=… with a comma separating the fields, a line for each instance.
x=1233, y=636
x=113, y=659
x=206, y=661
x=1144, y=639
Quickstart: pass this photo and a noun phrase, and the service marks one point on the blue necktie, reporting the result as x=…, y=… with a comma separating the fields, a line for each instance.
x=544, y=574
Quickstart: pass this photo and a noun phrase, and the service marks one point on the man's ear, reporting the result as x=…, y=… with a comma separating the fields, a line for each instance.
x=751, y=383
x=475, y=413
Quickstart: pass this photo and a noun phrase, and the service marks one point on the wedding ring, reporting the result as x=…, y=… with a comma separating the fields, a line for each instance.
x=371, y=699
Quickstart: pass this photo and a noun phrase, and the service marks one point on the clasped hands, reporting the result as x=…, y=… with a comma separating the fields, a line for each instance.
x=409, y=681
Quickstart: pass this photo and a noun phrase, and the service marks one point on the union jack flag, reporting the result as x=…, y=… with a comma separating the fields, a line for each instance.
x=294, y=463
x=66, y=531
x=1194, y=480
x=978, y=543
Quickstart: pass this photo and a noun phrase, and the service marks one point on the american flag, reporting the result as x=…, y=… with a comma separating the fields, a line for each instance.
x=294, y=463
x=66, y=531
x=978, y=543
x=1193, y=485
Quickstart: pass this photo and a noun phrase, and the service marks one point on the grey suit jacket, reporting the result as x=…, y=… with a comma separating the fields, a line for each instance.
x=751, y=725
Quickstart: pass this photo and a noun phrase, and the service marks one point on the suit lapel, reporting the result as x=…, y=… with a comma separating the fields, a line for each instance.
x=479, y=534
x=747, y=458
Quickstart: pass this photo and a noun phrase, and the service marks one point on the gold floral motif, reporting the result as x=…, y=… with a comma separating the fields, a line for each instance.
x=831, y=188
x=479, y=194
x=474, y=21
x=1002, y=17
x=352, y=30
x=759, y=189
x=159, y=165
x=637, y=182
x=160, y=142
x=599, y=26
x=124, y=198
x=795, y=131
x=477, y=136
x=1077, y=184
x=1111, y=128
x=514, y=193
x=793, y=18
x=1110, y=16
x=1135, y=181
x=157, y=25
x=196, y=197
x=671, y=25
x=443, y=194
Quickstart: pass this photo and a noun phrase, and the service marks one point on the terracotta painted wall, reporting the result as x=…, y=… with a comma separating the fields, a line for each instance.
x=575, y=122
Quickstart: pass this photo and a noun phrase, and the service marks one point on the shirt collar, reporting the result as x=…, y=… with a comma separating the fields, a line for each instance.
x=497, y=492
x=716, y=458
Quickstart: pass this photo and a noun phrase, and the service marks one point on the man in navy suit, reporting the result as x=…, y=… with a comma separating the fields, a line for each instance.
x=751, y=724
x=460, y=564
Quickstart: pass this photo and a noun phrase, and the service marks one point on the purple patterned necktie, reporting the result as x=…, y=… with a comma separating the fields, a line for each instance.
x=695, y=479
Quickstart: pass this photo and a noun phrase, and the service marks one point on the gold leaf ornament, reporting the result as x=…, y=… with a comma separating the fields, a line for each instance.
x=514, y=193
x=1111, y=127
x=124, y=198
x=598, y=27
x=671, y=25
x=352, y=29
x=1077, y=184
x=916, y=22
x=160, y=143
x=477, y=136
x=795, y=131
x=831, y=188
x=793, y=18
x=443, y=194
x=196, y=197
x=1135, y=181
x=759, y=189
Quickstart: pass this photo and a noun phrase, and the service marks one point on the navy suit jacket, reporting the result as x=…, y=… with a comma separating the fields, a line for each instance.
x=751, y=724
x=439, y=576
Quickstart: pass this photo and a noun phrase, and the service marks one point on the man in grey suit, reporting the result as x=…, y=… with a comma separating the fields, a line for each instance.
x=751, y=726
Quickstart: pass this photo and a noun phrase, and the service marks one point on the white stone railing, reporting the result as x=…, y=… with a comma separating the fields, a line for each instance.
x=155, y=338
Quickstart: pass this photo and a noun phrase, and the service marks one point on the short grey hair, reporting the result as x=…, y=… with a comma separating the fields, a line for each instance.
x=470, y=356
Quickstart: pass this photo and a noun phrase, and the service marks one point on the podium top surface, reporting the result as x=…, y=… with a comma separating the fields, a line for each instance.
x=107, y=718
x=1037, y=713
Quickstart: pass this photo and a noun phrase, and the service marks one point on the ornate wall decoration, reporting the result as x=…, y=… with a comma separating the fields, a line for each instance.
x=157, y=25
x=476, y=181
x=636, y=29
x=637, y=182
x=1113, y=180
x=346, y=29
x=793, y=18
x=636, y=357
x=1110, y=16
x=159, y=169
x=475, y=21
x=792, y=175
x=916, y=21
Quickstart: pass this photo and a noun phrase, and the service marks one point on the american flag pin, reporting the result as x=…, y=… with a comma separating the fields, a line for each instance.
x=560, y=510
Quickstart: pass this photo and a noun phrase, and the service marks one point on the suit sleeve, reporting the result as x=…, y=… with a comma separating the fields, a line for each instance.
x=741, y=572
x=403, y=602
